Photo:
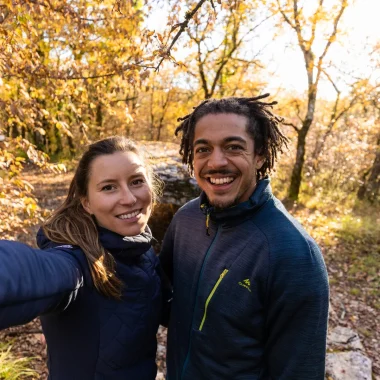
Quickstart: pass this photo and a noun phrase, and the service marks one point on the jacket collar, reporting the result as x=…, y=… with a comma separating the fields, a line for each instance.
x=236, y=214
x=120, y=247
x=125, y=247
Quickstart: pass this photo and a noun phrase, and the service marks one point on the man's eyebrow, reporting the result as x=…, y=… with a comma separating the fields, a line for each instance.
x=200, y=141
x=226, y=140
x=235, y=138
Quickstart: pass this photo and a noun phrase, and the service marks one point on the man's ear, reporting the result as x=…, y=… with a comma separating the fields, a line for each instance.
x=260, y=162
x=86, y=205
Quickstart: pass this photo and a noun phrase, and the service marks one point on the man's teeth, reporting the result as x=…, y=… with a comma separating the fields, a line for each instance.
x=220, y=181
x=129, y=216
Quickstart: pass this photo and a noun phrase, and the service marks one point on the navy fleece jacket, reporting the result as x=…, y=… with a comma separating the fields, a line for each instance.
x=250, y=299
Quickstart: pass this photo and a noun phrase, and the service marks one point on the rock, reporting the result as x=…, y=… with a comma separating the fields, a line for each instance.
x=343, y=338
x=333, y=316
x=179, y=186
x=349, y=365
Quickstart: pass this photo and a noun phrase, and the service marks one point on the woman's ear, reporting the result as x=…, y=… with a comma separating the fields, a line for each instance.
x=86, y=205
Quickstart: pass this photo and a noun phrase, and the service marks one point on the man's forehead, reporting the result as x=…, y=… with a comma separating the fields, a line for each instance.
x=226, y=139
x=221, y=127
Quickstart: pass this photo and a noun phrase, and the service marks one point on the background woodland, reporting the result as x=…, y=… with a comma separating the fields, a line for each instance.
x=74, y=71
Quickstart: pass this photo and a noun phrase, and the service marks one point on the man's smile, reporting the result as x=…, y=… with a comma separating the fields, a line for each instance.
x=220, y=181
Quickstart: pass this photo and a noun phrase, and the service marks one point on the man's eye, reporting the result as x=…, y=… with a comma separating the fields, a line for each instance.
x=108, y=187
x=202, y=149
x=234, y=147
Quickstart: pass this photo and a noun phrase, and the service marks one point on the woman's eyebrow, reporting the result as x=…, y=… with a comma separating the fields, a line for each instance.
x=107, y=180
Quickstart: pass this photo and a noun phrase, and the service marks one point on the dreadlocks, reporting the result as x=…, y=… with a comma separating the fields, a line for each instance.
x=263, y=127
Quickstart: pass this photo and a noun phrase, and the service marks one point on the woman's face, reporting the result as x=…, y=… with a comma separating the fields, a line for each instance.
x=119, y=194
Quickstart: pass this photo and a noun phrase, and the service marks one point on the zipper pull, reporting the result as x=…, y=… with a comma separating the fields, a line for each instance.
x=223, y=273
x=206, y=210
x=208, y=222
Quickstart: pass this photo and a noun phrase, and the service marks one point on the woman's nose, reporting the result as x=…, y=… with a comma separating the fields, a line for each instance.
x=127, y=197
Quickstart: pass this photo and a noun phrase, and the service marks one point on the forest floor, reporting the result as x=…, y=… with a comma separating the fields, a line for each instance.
x=353, y=267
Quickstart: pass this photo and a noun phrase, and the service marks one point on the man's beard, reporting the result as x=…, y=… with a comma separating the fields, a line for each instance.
x=220, y=205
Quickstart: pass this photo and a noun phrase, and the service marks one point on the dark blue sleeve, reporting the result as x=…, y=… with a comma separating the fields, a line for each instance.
x=33, y=282
x=298, y=298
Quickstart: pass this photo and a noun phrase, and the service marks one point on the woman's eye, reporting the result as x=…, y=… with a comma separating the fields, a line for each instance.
x=108, y=187
x=138, y=181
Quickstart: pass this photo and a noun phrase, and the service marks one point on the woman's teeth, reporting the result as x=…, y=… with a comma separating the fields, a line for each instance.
x=220, y=181
x=129, y=216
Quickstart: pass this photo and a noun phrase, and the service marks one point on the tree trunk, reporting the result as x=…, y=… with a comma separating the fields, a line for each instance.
x=370, y=188
x=296, y=178
x=295, y=184
x=99, y=115
x=70, y=142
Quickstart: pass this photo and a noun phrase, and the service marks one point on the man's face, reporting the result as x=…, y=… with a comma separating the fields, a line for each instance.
x=224, y=161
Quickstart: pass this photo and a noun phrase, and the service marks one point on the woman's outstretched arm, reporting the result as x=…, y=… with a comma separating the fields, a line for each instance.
x=33, y=282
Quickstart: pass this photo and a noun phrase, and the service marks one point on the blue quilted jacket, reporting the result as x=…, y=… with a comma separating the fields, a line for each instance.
x=89, y=337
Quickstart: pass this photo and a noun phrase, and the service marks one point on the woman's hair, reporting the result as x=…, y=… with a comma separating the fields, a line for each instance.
x=263, y=127
x=71, y=224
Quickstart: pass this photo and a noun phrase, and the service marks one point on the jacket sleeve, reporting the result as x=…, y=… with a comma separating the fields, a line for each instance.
x=297, y=315
x=166, y=274
x=34, y=282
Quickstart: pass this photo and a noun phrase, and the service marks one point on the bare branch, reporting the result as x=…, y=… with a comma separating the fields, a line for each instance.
x=331, y=39
x=286, y=18
x=331, y=81
x=314, y=23
x=293, y=126
x=298, y=28
x=182, y=26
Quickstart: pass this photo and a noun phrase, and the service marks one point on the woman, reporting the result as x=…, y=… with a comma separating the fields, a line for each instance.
x=94, y=282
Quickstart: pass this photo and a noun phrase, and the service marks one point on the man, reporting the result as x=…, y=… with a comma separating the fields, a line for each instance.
x=250, y=285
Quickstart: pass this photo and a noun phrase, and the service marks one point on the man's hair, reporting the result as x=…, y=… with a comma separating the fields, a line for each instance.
x=262, y=126
x=71, y=224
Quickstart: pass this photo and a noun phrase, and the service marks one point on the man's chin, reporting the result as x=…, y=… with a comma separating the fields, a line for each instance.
x=221, y=204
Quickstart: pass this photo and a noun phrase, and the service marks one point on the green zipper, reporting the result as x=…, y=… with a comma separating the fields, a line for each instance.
x=210, y=296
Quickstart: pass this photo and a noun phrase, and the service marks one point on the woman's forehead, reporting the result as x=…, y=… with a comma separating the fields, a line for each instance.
x=120, y=163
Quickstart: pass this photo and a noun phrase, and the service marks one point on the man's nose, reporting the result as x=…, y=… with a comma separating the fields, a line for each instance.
x=217, y=159
x=127, y=197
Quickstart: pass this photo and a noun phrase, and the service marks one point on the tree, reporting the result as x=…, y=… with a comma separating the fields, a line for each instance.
x=370, y=187
x=219, y=43
x=371, y=179
x=67, y=69
x=62, y=90
x=340, y=108
x=294, y=14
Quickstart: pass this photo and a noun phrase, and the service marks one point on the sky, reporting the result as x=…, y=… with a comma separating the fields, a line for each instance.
x=284, y=60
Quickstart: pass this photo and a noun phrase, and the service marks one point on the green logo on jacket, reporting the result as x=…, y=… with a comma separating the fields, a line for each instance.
x=246, y=284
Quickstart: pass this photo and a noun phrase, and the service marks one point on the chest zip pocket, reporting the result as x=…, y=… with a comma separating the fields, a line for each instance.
x=210, y=296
